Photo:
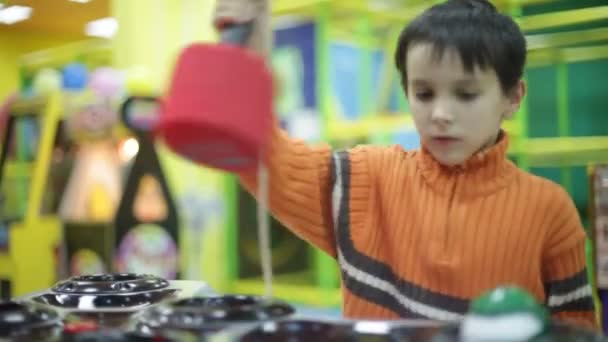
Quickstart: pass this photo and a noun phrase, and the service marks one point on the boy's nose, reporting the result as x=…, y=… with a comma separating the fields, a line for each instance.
x=441, y=115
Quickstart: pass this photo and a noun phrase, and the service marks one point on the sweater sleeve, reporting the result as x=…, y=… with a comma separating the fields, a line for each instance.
x=568, y=292
x=299, y=178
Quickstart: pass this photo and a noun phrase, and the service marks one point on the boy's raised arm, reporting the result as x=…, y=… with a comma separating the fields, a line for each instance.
x=299, y=175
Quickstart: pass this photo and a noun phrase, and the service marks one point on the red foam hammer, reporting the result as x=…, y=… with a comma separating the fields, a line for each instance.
x=218, y=109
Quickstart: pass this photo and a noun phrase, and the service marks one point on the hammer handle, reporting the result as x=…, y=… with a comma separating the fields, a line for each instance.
x=236, y=33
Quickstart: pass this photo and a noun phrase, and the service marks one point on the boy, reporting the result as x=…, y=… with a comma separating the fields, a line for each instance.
x=420, y=233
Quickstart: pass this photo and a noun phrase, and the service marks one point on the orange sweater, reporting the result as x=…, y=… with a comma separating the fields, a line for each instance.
x=416, y=239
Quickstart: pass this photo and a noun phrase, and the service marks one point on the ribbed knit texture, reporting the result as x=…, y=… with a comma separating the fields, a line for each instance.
x=416, y=239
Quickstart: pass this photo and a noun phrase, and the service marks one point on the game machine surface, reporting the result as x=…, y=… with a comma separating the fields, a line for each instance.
x=30, y=232
x=135, y=307
x=146, y=221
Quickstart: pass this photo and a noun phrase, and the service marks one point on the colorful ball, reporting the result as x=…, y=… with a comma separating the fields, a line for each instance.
x=107, y=82
x=75, y=76
x=148, y=249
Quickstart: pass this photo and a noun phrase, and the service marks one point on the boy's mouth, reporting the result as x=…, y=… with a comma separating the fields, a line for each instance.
x=444, y=141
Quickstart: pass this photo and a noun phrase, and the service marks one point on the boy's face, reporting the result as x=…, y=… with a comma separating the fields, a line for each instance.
x=456, y=113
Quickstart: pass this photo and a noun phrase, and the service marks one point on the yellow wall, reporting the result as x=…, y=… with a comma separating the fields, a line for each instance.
x=15, y=44
x=150, y=37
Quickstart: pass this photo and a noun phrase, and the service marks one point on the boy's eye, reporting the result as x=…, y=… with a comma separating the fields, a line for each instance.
x=466, y=96
x=424, y=95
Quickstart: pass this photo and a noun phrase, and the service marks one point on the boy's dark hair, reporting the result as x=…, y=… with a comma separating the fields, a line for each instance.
x=476, y=30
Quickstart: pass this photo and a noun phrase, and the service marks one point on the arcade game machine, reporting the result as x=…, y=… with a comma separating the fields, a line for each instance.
x=86, y=168
x=94, y=187
x=31, y=228
x=146, y=225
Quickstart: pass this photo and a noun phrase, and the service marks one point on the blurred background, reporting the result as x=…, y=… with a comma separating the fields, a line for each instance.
x=85, y=190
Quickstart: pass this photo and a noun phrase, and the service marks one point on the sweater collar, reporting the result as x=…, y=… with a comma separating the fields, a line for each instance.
x=484, y=172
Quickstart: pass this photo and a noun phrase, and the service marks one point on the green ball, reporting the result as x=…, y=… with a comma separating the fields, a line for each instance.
x=505, y=313
x=508, y=300
x=47, y=81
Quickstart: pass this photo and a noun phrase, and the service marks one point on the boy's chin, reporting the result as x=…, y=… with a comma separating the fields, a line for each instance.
x=451, y=159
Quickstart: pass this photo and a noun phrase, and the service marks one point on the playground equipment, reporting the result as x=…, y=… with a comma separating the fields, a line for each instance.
x=31, y=152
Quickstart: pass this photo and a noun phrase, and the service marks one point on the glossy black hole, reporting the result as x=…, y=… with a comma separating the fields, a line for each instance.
x=295, y=331
x=109, y=277
x=66, y=287
x=11, y=306
x=244, y=315
x=25, y=320
x=191, y=302
x=111, y=301
x=276, y=310
x=123, y=286
x=128, y=276
x=234, y=301
x=217, y=302
x=422, y=333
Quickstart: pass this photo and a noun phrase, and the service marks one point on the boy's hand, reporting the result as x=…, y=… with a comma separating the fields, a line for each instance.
x=239, y=11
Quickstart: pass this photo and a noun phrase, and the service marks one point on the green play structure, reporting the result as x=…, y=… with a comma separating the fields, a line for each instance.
x=563, y=39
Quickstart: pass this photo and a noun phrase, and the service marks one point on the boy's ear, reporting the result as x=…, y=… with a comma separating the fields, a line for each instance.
x=515, y=96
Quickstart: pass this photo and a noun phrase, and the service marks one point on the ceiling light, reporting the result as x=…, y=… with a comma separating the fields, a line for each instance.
x=80, y=1
x=14, y=14
x=104, y=28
